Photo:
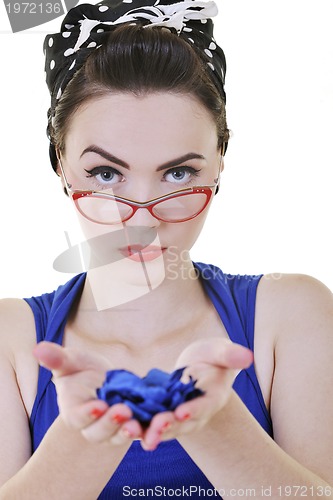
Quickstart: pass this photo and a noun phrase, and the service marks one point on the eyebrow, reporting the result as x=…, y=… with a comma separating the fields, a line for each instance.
x=106, y=155
x=113, y=159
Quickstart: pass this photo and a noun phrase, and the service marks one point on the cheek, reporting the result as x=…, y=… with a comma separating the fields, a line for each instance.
x=92, y=230
x=101, y=242
x=186, y=233
x=106, y=241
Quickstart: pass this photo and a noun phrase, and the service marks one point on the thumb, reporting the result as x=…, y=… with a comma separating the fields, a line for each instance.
x=60, y=360
x=218, y=352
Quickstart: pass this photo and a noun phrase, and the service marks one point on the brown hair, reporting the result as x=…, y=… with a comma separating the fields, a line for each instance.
x=139, y=60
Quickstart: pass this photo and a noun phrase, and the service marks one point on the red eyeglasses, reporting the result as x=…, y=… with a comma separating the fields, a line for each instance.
x=178, y=206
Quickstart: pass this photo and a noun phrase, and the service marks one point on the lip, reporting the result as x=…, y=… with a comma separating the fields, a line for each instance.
x=140, y=253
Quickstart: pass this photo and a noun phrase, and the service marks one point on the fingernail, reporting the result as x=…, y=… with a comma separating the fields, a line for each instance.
x=119, y=419
x=97, y=412
x=165, y=427
x=187, y=416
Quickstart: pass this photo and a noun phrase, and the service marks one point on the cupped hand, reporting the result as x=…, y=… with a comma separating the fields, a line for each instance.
x=76, y=376
x=214, y=363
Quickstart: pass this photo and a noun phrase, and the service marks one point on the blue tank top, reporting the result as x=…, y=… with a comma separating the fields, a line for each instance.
x=169, y=466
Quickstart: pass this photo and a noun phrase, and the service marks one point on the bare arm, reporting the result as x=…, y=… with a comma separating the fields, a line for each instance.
x=65, y=465
x=236, y=454
x=221, y=436
x=232, y=449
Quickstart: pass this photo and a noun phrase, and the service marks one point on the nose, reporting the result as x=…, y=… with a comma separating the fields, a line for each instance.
x=143, y=217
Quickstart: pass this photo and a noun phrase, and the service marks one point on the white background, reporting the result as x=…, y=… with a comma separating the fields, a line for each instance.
x=274, y=209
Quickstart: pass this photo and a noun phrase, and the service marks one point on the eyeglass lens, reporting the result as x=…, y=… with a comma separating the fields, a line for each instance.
x=109, y=211
x=180, y=208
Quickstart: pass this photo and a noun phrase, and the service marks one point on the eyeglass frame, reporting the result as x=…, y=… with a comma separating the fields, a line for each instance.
x=136, y=205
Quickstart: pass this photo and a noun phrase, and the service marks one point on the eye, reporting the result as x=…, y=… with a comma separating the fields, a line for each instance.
x=105, y=175
x=181, y=175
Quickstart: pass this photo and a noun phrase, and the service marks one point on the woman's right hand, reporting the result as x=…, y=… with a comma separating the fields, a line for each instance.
x=76, y=376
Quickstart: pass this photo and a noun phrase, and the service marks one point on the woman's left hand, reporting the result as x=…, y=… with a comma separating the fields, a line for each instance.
x=214, y=363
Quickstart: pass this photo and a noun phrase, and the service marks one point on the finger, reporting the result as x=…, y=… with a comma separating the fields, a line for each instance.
x=84, y=415
x=79, y=387
x=193, y=411
x=238, y=357
x=63, y=361
x=162, y=427
x=129, y=431
x=219, y=352
x=216, y=383
x=105, y=427
x=49, y=355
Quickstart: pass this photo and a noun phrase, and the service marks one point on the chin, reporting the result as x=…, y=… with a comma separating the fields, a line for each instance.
x=124, y=281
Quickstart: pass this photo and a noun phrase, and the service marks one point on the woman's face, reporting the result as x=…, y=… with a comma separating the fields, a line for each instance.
x=141, y=148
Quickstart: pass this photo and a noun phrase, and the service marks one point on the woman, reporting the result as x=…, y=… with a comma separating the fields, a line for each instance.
x=138, y=134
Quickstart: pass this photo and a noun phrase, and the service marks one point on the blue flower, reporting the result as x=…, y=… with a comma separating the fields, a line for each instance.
x=158, y=391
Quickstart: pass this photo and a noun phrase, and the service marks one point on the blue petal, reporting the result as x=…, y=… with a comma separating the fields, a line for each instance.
x=157, y=392
x=156, y=377
x=151, y=406
x=139, y=413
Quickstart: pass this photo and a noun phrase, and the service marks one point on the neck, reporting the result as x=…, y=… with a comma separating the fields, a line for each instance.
x=119, y=308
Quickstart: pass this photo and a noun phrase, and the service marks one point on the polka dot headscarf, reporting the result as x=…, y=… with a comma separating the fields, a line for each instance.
x=83, y=30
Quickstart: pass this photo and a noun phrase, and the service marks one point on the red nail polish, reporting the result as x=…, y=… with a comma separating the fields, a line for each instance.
x=165, y=426
x=119, y=419
x=97, y=413
x=187, y=416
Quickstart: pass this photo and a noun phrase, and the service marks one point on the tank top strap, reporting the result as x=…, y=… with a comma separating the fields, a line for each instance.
x=50, y=312
x=234, y=298
x=51, y=309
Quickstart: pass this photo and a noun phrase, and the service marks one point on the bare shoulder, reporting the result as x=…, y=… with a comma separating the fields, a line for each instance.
x=18, y=382
x=287, y=296
x=296, y=312
x=17, y=340
x=293, y=307
x=16, y=312
x=17, y=324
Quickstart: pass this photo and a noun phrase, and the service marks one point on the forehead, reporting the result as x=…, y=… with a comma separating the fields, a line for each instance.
x=132, y=124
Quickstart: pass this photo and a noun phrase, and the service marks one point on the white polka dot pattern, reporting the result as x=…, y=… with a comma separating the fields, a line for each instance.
x=84, y=27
